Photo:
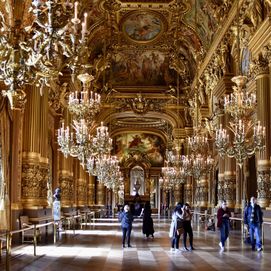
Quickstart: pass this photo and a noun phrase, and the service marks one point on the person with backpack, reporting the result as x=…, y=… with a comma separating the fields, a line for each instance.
x=176, y=228
x=126, y=219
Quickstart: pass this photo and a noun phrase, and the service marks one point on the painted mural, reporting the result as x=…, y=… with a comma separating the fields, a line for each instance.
x=142, y=27
x=145, y=145
x=142, y=68
x=206, y=22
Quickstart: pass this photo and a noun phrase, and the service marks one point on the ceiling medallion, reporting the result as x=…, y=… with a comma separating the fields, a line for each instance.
x=143, y=26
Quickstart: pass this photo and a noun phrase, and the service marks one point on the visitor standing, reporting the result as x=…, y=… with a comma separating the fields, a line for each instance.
x=253, y=220
x=176, y=227
x=147, y=227
x=187, y=217
x=223, y=223
x=126, y=219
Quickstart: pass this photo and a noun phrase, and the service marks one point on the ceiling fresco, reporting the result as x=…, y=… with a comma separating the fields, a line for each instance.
x=143, y=26
x=138, y=146
x=142, y=68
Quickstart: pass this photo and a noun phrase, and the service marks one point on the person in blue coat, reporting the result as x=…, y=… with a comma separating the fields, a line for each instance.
x=253, y=220
x=126, y=219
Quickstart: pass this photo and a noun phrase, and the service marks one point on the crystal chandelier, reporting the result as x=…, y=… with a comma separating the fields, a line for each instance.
x=84, y=104
x=248, y=136
x=64, y=139
x=101, y=143
x=77, y=143
x=239, y=103
x=198, y=143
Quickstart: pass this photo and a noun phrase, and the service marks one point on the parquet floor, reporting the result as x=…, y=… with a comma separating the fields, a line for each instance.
x=98, y=248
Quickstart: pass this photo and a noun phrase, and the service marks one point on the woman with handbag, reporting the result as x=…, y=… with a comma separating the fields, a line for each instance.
x=176, y=228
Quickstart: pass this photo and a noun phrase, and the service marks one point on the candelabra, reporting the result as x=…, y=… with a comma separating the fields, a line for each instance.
x=76, y=146
x=13, y=70
x=172, y=175
x=239, y=103
x=248, y=136
x=64, y=139
x=101, y=143
x=38, y=53
x=55, y=38
x=243, y=144
x=84, y=104
x=198, y=143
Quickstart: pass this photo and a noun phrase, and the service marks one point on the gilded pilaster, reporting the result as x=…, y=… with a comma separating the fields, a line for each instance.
x=82, y=188
x=100, y=194
x=16, y=173
x=263, y=115
x=34, y=166
x=188, y=190
x=177, y=194
x=126, y=183
x=230, y=177
x=66, y=175
x=220, y=184
x=202, y=192
x=260, y=48
x=66, y=182
x=91, y=190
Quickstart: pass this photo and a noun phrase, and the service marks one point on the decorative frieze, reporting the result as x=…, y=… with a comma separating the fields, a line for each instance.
x=263, y=183
x=67, y=190
x=34, y=184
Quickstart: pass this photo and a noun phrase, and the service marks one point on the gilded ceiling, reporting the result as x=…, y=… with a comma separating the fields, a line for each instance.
x=143, y=55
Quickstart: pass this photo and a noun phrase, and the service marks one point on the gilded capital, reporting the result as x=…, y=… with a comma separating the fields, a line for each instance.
x=259, y=66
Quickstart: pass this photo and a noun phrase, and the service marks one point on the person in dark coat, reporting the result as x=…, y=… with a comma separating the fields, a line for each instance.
x=147, y=227
x=126, y=219
x=253, y=220
x=223, y=223
x=187, y=217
